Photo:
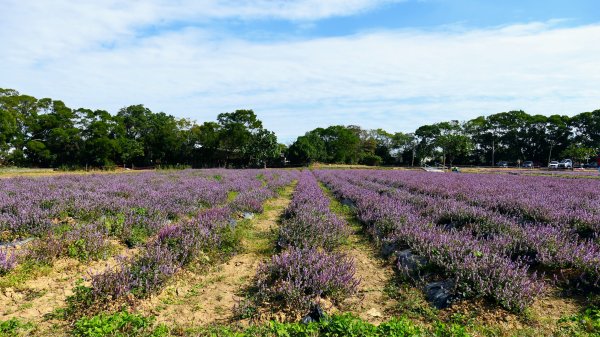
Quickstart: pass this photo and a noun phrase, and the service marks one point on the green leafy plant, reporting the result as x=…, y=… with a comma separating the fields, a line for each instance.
x=119, y=324
x=77, y=250
x=13, y=327
x=450, y=330
x=81, y=299
x=586, y=323
x=135, y=236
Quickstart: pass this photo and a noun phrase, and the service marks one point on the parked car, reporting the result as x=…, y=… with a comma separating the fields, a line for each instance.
x=502, y=164
x=553, y=164
x=590, y=165
x=528, y=164
x=566, y=164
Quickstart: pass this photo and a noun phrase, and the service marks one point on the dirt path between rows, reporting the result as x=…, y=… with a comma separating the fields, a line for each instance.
x=372, y=303
x=202, y=298
x=34, y=298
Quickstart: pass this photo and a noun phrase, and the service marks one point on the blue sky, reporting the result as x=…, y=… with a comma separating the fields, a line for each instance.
x=425, y=14
x=302, y=64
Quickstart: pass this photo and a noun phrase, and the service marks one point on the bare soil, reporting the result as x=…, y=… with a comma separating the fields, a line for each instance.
x=42, y=295
x=372, y=303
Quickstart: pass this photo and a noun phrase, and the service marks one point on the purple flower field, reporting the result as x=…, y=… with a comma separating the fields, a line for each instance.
x=495, y=236
x=171, y=216
x=508, y=240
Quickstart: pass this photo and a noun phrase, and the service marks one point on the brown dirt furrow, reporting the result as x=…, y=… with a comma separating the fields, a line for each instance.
x=36, y=297
x=372, y=303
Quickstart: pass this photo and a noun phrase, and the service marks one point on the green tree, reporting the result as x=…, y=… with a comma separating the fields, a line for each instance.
x=133, y=126
x=534, y=137
x=404, y=145
x=206, y=143
x=586, y=128
x=130, y=150
x=579, y=153
x=425, y=137
x=343, y=145
x=452, y=140
x=384, y=142
x=558, y=131
x=307, y=149
x=262, y=148
x=8, y=128
x=17, y=114
x=162, y=140
x=100, y=145
x=236, y=132
x=486, y=133
x=53, y=138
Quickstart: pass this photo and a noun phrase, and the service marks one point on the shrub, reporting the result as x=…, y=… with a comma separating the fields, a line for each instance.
x=312, y=230
x=309, y=221
x=371, y=160
x=139, y=276
x=297, y=276
x=174, y=246
x=88, y=242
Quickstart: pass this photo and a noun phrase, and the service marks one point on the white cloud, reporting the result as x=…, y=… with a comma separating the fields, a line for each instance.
x=287, y=9
x=397, y=80
x=65, y=25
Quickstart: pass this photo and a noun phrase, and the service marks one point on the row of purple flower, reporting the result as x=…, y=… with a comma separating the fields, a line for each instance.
x=211, y=232
x=309, y=266
x=551, y=245
x=476, y=267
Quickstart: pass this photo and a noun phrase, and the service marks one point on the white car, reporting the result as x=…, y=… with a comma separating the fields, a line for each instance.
x=553, y=164
x=565, y=163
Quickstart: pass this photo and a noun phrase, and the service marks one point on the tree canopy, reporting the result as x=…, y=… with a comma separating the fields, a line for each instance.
x=47, y=133
x=512, y=136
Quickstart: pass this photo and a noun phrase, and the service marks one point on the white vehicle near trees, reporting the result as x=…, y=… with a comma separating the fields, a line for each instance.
x=553, y=164
x=566, y=164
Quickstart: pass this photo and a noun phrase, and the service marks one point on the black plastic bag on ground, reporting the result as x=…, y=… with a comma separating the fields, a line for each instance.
x=441, y=294
x=410, y=264
x=315, y=315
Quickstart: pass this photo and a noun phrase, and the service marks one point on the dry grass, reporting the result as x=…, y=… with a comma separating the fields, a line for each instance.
x=39, y=172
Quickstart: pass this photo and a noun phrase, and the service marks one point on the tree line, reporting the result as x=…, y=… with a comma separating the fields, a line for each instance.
x=513, y=136
x=46, y=133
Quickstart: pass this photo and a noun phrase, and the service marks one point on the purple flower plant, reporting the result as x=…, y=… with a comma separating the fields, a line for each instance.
x=480, y=266
x=307, y=268
x=297, y=276
x=7, y=261
x=309, y=222
x=177, y=244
